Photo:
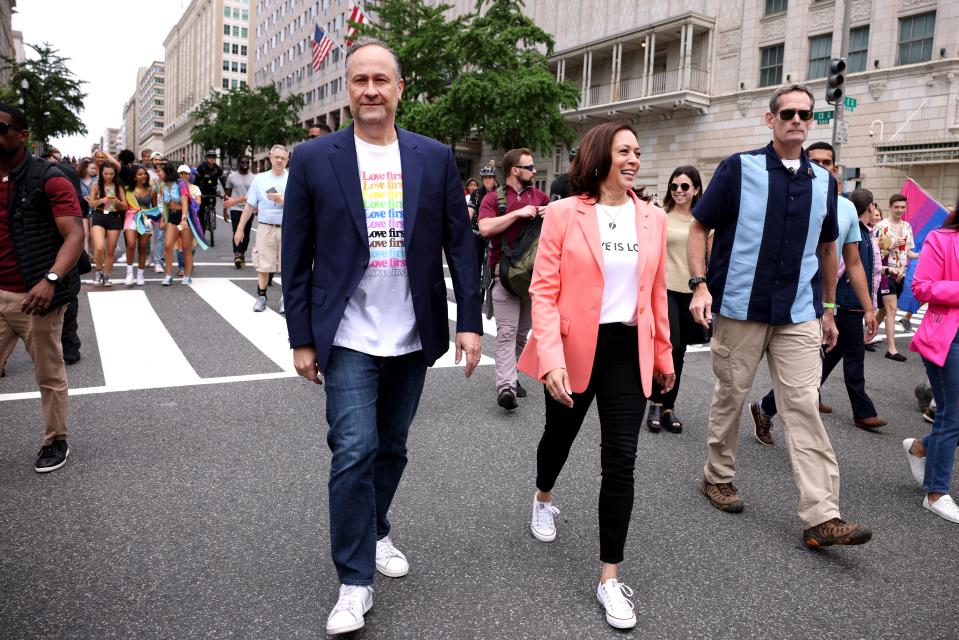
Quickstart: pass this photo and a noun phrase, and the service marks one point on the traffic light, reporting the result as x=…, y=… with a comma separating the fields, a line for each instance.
x=836, y=82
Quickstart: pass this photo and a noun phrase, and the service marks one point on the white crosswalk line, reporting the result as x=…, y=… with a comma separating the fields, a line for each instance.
x=489, y=325
x=122, y=319
x=266, y=330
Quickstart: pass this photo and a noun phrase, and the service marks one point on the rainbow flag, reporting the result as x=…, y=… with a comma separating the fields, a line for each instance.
x=925, y=215
x=193, y=218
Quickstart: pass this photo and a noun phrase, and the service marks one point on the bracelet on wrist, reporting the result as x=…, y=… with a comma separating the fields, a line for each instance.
x=829, y=305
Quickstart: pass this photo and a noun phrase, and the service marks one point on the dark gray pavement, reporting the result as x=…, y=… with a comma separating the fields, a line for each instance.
x=201, y=512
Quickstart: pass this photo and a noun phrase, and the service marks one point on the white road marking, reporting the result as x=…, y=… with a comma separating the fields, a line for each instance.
x=489, y=325
x=266, y=330
x=123, y=320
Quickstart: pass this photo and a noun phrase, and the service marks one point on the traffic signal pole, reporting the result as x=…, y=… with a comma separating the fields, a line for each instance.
x=843, y=55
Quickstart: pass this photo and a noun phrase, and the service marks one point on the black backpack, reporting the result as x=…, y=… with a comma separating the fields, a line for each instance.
x=516, y=265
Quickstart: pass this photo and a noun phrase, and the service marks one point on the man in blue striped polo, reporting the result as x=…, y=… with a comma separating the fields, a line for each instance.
x=771, y=285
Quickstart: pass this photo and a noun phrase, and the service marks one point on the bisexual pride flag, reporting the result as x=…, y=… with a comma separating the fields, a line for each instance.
x=925, y=215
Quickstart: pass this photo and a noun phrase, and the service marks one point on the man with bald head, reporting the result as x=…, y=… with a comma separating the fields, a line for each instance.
x=370, y=211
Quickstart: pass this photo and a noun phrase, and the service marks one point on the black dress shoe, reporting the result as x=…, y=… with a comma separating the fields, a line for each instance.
x=507, y=399
x=520, y=391
x=71, y=358
x=869, y=347
x=654, y=418
x=898, y=357
x=671, y=422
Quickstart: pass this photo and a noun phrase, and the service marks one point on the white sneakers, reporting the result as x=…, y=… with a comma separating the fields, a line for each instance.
x=352, y=605
x=140, y=279
x=944, y=507
x=619, y=609
x=916, y=464
x=390, y=561
x=129, y=280
x=543, y=525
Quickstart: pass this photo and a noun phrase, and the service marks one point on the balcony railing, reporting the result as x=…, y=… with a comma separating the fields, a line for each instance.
x=660, y=83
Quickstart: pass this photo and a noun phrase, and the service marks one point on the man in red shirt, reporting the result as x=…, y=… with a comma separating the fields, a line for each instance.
x=41, y=237
x=523, y=203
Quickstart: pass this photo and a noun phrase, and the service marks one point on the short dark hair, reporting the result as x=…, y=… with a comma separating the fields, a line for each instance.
x=242, y=158
x=322, y=126
x=897, y=197
x=594, y=158
x=17, y=117
x=169, y=172
x=367, y=41
x=793, y=88
x=822, y=146
x=684, y=170
x=126, y=157
x=861, y=198
x=511, y=159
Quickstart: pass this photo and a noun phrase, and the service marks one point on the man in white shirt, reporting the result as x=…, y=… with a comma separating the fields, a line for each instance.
x=266, y=198
x=370, y=211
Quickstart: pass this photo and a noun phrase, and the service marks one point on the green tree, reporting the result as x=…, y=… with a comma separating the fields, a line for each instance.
x=487, y=71
x=52, y=95
x=244, y=118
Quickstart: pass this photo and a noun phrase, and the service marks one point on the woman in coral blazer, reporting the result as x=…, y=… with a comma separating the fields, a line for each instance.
x=936, y=281
x=600, y=329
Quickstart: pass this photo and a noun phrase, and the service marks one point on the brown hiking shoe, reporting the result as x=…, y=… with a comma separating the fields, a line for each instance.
x=763, y=424
x=836, y=531
x=722, y=495
x=824, y=408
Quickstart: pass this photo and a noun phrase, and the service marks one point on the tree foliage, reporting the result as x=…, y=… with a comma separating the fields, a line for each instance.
x=487, y=71
x=52, y=95
x=244, y=118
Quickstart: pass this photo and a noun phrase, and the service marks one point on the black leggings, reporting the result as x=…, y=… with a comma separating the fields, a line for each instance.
x=616, y=386
x=235, y=221
x=683, y=331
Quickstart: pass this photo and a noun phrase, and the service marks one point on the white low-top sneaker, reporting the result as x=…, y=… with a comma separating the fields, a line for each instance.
x=614, y=596
x=348, y=613
x=390, y=561
x=130, y=279
x=543, y=524
x=944, y=507
x=140, y=279
x=916, y=464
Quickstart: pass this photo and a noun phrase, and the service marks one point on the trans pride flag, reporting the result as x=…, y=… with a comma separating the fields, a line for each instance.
x=925, y=215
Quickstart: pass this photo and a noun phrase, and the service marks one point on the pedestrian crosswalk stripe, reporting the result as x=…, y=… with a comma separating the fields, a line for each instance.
x=121, y=319
x=489, y=326
x=266, y=330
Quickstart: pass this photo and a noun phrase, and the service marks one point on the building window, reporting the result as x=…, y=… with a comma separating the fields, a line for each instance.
x=233, y=84
x=226, y=65
x=243, y=84
x=226, y=12
x=245, y=15
x=226, y=48
x=235, y=49
x=244, y=33
x=226, y=29
x=775, y=6
x=242, y=67
x=915, y=38
x=771, y=66
x=226, y=83
x=820, y=51
x=158, y=125
x=858, y=49
x=236, y=14
x=243, y=50
x=233, y=67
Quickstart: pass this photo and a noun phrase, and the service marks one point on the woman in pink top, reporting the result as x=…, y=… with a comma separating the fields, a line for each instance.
x=936, y=281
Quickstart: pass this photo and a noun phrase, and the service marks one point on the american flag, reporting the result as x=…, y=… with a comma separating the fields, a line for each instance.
x=322, y=45
x=357, y=17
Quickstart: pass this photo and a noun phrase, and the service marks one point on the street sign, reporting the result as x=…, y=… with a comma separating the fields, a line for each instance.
x=823, y=117
x=850, y=103
x=842, y=132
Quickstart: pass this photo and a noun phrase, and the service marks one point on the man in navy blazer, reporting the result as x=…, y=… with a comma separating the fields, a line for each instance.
x=369, y=212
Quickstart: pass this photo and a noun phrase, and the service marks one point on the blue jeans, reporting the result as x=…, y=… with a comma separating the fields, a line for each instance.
x=370, y=403
x=159, y=234
x=941, y=442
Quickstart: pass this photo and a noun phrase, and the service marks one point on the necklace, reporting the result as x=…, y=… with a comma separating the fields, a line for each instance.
x=612, y=219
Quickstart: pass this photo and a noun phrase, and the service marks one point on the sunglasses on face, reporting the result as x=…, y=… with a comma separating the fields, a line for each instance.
x=528, y=167
x=5, y=127
x=682, y=185
x=788, y=114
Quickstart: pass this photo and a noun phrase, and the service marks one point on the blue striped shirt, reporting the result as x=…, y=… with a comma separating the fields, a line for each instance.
x=768, y=226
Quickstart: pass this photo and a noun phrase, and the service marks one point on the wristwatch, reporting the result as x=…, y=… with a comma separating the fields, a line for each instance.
x=695, y=282
x=52, y=277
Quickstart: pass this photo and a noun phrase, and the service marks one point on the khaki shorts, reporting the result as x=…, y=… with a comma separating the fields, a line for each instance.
x=266, y=250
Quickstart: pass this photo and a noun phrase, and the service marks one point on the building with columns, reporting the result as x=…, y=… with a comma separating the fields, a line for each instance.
x=694, y=78
x=208, y=50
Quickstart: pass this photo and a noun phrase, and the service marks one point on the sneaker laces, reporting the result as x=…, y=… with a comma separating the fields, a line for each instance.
x=544, y=514
x=384, y=547
x=618, y=595
x=726, y=489
x=351, y=597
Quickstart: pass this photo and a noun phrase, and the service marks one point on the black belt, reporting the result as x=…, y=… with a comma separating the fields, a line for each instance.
x=270, y=224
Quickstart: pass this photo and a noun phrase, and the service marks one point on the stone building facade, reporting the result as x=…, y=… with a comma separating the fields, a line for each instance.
x=208, y=50
x=695, y=76
x=151, y=107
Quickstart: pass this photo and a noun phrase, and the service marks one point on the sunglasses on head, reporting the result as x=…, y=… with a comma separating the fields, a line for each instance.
x=788, y=114
x=6, y=126
x=682, y=185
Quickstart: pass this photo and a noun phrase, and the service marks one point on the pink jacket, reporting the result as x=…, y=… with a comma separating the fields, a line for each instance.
x=567, y=294
x=936, y=281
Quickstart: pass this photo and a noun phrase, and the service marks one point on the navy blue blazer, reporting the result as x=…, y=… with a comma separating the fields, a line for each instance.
x=326, y=247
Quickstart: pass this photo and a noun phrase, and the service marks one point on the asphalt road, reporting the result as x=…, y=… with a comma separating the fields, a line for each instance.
x=196, y=507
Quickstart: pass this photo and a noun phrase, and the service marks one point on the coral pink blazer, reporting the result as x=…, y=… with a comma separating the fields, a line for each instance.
x=936, y=281
x=567, y=293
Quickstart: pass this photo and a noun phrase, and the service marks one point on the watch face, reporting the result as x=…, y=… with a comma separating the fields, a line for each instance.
x=52, y=277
